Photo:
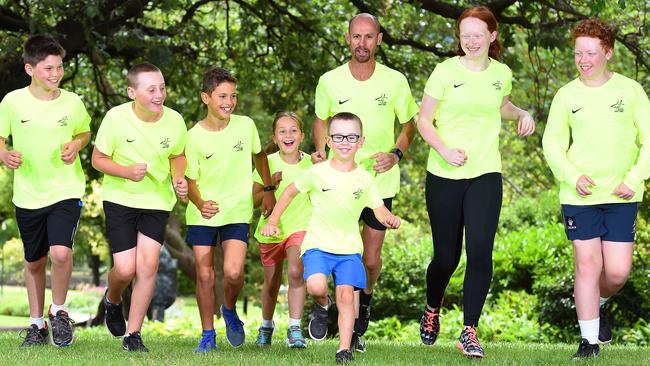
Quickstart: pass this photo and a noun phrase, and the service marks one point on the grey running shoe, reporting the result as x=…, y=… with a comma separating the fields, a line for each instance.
x=62, y=328
x=32, y=336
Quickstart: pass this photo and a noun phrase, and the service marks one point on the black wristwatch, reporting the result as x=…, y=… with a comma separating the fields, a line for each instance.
x=398, y=153
x=270, y=188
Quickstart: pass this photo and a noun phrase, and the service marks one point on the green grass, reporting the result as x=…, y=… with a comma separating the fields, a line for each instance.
x=96, y=347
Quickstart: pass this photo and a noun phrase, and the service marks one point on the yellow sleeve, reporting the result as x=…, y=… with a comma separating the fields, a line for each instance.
x=641, y=111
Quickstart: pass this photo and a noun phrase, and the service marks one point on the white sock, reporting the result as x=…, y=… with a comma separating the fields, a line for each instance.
x=603, y=300
x=268, y=323
x=293, y=322
x=589, y=330
x=40, y=322
x=326, y=307
x=55, y=308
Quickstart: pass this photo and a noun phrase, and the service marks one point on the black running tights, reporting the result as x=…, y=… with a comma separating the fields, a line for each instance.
x=453, y=205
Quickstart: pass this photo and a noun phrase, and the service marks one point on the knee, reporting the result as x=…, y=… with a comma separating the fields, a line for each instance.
x=61, y=257
x=617, y=278
x=345, y=298
x=35, y=267
x=232, y=276
x=372, y=262
x=125, y=273
x=295, y=277
x=317, y=288
x=205, y=276
x=587, y=267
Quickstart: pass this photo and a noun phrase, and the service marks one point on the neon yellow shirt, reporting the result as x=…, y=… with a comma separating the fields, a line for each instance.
x=468, y=116
x=337, y=199
x=39, y=129
x=609, y=130
x=220, y=163
x=296, y=216
x=376, y=101
x=129, y=140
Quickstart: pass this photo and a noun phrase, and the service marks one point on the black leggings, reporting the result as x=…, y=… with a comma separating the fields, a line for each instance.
x=473, y=205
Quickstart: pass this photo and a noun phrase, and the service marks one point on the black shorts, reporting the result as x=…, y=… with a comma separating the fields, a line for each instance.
x=123, y=224
x=368, y=216
x=41, y=228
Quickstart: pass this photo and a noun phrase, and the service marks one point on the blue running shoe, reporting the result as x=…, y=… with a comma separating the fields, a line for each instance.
x=234, y=327
x=207, y=343
x=295, y=339
x=264, y=336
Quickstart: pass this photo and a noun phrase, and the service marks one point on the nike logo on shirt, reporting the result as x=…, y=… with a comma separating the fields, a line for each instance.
x=326, y=189
x=343, y=101
x=574, y=111
x=127, y=140
x=209, y=156
x=24, y=120
x=457, y=85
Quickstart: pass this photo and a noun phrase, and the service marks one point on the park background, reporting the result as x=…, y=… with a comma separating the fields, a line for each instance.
x=277, y=50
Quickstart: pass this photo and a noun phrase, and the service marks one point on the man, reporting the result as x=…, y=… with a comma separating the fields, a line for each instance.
x=377, y=94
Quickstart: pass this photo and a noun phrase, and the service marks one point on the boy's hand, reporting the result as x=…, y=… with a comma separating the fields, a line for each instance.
x=392, y=222
x=623, y=191
x=276, y=178
x=136, y=172
x=268, y=202
x=11, y=159
x=526, y=125
x=583, y=184
x=69, y=151
x=318, y=156
x=180, y=187
x=208, y=209
x=270, y=230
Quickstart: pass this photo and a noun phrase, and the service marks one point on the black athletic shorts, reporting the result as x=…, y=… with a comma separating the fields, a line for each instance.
x=368, y=216
x=41, y=228
x=123, y=224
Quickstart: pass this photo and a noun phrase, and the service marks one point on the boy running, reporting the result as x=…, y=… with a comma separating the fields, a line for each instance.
x=339, y=190
x=49, y=127
x=139, y=148
x=219, y=174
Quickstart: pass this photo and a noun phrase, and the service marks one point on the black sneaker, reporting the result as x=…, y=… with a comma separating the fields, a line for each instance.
x=468, y=343
x=114, y=317
x=318, y=322
x=32, y=336
x=430, y=325
x=62, y=328
x=357, y=344
x=344, y=356
x=605, y=327
x=133, y=343
x=586, y=350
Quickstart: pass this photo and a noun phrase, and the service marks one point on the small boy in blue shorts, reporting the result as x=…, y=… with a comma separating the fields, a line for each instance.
x=339, y=190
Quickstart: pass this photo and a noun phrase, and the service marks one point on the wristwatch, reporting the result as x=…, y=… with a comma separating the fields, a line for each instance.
x=398, y=153
x=270, y=188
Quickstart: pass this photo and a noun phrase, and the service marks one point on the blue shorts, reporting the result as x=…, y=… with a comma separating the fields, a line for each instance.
x=609, y=222
x=211, y=235
x=347, y=269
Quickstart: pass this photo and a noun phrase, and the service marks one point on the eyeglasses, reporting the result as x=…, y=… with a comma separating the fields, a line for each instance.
x=339, y=138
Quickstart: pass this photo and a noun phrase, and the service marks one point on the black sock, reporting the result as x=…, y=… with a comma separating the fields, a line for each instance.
x=364, y=299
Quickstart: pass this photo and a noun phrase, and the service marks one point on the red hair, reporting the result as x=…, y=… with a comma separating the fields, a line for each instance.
x=486, y=15
x=595, y=28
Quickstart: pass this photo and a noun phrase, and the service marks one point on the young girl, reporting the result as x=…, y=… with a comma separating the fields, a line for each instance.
x=285, y=165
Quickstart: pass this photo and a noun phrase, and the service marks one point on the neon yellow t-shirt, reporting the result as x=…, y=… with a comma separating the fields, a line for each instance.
x=376, y=101
x=468, y=116
x=220, y=163
x=39, y=129
x=296, y=216
x=129, y=140
x=609, y=130
x=337, y=199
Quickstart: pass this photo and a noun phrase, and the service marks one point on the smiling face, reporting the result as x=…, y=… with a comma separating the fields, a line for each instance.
x=148, y=92
x=222, y=101
x=46, y=74
x=288, y=135
x=475, y=38
x=363, y=38
x=344, y=150
x=591, y=59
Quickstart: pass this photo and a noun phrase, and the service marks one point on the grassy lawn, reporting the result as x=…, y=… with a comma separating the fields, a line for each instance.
x=96, y=347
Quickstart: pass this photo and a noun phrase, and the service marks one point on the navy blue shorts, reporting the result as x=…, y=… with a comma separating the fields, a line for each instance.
x=609, y=222
x=211, y=235
x=347, y=269
x=368, y=215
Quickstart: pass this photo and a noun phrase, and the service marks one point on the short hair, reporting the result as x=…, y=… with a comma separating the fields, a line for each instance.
x=213, y=77
x=345, y=116
x=595, y=28
x=135, y=70
x=365, y=15
x=287, y=114
x=38, y=47
x=486, y=15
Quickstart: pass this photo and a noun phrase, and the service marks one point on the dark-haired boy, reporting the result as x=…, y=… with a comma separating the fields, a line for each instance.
x=139, y=148
x=49, y=127
x=219, y=175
